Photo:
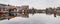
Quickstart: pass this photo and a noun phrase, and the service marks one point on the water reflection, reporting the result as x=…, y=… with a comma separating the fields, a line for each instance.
x=9, y=11
x=13, y=15
x=35, y=19
x=23, y=15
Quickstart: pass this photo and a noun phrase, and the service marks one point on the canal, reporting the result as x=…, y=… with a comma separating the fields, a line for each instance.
x=33, y=19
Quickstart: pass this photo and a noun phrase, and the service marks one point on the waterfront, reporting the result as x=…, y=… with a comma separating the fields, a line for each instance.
x=33, y=19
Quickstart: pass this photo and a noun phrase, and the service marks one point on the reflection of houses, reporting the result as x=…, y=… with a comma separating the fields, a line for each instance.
x=3, y=11
x=23, y=11
x=55, y=11
x=58, y=11
x=49, y=10
x=9, y=11
x=12, y=11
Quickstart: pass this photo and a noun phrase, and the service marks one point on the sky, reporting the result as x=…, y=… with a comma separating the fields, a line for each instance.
x=39, y=4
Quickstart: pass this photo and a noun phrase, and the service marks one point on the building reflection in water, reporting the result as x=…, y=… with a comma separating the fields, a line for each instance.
x=9, y=11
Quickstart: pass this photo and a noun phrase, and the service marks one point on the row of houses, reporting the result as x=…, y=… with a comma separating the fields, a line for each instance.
x=55, y=11
x=9, y=11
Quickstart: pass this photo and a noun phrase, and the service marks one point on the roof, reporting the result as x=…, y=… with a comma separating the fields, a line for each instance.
x=11, y=7
x=4, y=4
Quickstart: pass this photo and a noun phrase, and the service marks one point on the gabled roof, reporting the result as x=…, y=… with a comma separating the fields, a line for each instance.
x=3, y=4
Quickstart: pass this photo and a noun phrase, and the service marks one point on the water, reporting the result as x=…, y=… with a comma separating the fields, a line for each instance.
x=33, y=19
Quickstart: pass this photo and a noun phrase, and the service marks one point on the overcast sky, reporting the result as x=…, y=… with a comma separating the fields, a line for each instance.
x=39, y=4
